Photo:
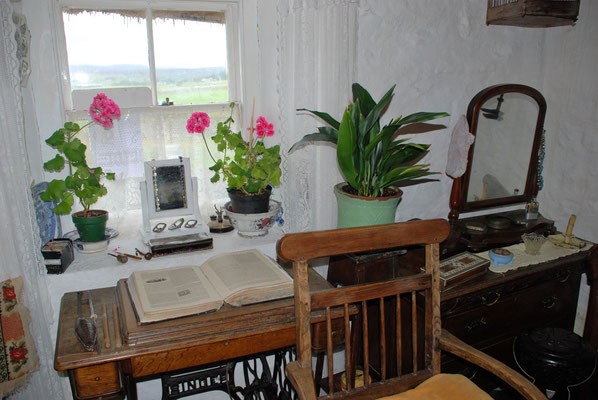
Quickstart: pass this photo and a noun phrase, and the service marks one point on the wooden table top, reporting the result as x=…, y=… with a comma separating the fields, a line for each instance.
x=269, y=325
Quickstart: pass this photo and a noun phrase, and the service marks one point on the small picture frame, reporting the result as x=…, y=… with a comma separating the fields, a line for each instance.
x=169, y=192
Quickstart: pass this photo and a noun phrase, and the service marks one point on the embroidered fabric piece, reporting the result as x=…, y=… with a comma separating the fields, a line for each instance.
x=18, y=357
x=461, y=140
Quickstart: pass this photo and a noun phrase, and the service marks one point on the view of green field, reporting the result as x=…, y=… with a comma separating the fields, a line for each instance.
x=180, y=85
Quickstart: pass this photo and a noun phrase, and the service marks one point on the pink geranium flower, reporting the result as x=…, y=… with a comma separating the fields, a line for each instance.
x=263, y=127
x=198, y=122
x=104, y=110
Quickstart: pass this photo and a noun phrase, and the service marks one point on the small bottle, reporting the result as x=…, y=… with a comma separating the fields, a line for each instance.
x=531, y=210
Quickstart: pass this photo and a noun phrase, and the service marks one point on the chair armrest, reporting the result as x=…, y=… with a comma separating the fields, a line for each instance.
x=302, y=380
x=448, y=342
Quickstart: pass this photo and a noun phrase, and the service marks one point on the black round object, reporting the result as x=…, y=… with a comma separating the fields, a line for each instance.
x=249, y=204
x=499, y=223
x=554, y=358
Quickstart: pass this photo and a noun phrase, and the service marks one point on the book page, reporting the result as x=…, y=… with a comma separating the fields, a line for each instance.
x=172, y=288
x=234, y=272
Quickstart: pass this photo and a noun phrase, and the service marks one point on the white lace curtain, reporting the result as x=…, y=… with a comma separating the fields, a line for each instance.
x=19, y=244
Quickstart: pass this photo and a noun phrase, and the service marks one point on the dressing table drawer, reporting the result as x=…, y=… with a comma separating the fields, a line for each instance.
x=503, y=311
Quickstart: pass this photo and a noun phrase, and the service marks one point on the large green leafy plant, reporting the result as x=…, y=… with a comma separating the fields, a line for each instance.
x=369, y=155
x=252, y=166
x=82, y=181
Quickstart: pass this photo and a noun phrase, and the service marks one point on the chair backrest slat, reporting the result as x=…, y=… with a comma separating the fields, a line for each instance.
x=382, y=328
x=348, y=360
x=311, y=245
x=399, y=336
x=414, y=329
x=329, y=349
x=370, y=291
x=366, y=341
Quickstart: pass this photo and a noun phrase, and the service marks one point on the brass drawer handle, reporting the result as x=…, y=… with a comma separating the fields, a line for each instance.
x=476, y=324
x=489, y=301
x=566, y=278
x=549, y=301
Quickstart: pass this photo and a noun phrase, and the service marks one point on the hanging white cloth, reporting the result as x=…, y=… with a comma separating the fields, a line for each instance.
x=458, y=149
x=19, y=241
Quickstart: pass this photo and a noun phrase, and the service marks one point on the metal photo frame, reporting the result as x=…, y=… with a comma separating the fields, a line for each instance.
x=169, y=191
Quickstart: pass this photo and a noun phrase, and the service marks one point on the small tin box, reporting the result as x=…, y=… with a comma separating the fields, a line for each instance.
x=58, y=255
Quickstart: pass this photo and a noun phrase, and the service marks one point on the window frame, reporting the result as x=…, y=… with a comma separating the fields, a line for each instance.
x=232, y=11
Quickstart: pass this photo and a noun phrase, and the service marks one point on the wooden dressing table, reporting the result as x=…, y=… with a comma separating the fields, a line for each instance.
x=489, y=310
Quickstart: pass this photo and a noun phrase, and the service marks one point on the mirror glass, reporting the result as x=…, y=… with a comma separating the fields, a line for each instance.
x=169, y=187
x=502, y=167
x=503, y=145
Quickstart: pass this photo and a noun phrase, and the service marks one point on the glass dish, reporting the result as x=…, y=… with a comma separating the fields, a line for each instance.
x=533, y=243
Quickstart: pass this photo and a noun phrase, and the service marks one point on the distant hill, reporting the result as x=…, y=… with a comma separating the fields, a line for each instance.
x=85, y=76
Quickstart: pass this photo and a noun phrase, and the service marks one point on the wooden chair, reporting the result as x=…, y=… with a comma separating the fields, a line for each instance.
x=418, y=337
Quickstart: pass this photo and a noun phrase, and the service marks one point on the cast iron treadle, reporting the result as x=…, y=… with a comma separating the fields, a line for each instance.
x=260, y=382
x=181, y=385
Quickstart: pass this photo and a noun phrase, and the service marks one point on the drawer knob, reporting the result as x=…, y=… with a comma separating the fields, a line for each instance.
x=549, y=301
x=490, y=299
x=566, y=278
x=476, y=324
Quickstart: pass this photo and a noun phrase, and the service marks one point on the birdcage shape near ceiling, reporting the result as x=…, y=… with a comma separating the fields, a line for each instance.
x=532, y=13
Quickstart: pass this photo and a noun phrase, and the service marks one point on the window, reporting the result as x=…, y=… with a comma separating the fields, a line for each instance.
x=160, y=65
x=126, y=53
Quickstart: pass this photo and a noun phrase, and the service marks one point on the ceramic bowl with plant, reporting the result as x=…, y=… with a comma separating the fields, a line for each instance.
x=248, y=166
x=82, y=181
x=371, y=157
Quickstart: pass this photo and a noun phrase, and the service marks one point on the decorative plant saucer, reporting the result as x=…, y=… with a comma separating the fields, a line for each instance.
x=91, y=247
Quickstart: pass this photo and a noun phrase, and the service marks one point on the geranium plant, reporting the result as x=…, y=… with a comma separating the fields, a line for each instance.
x=245, y=165
x=369, y=155
x=82, y=181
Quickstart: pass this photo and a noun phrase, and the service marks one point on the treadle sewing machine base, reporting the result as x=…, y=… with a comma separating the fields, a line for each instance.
x=260, y=379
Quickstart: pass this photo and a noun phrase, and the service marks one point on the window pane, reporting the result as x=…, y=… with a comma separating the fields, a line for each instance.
x=191, y=61
x=106, y=50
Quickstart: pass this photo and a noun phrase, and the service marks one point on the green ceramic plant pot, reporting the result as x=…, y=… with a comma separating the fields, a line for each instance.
x=91, y=228
x=356, y=210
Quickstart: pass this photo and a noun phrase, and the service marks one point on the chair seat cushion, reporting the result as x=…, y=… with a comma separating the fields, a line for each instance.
x=443, y=387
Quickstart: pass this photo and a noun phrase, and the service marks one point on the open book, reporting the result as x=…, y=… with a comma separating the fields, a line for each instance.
x=238, y=278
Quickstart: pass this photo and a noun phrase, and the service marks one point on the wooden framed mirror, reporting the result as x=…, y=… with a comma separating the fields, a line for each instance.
x=507, y=121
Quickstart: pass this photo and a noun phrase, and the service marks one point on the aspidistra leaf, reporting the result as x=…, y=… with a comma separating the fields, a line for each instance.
x=374, y=116
x=345, y=148
x=419, y=117
x=324, y=116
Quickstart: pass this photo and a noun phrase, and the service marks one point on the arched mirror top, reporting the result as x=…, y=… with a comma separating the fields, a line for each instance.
x=502, y=169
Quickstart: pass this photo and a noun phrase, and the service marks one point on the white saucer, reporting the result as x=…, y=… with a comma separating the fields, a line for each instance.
x=91, y=247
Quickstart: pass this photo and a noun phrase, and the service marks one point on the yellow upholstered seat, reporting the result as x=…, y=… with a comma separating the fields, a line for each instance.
x=443, y=387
